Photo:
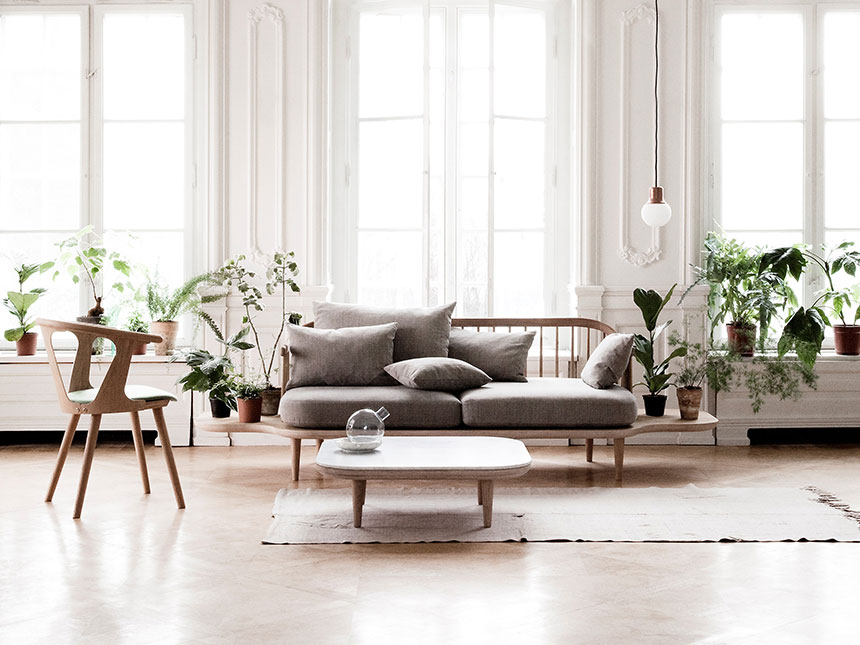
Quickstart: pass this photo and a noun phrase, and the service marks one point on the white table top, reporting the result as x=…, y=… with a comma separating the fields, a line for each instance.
x=402, y=454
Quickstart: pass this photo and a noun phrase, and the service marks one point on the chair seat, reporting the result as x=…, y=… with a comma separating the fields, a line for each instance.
x=133, y=392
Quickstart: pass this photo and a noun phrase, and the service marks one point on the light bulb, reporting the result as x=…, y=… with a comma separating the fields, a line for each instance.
x=656, y=212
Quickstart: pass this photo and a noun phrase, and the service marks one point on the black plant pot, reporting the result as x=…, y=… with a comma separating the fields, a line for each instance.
x=655, y=404
x=220, y=410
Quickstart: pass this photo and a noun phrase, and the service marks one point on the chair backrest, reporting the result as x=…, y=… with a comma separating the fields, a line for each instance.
x=111, y=393
x=584, y=334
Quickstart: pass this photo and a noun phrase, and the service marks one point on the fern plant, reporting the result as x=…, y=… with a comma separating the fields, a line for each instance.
x=166, y=306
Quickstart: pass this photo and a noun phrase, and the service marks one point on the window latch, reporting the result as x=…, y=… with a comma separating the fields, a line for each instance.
x=91, y=74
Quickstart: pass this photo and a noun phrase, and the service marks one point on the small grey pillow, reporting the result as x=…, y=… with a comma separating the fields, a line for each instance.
x=348, y=356
x=437, y=373
x=608, y=361
x=420, y=331
x=502, y=356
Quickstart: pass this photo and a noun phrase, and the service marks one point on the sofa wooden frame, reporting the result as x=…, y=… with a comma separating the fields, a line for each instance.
x=581, y=335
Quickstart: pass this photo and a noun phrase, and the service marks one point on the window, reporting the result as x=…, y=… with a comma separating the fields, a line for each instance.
x=787, y=129
x=445, y=117
x=96, y=129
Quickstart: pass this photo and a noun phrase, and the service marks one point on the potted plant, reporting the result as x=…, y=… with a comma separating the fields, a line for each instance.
x=741, y=295
x=166, y=306
x=655, y=375
x=138, y=324
x=84, y=255
x=19, y=303
x=249, y=399
x=804, y=331
x=280, y=272
x=214, y=374
x=700, y=364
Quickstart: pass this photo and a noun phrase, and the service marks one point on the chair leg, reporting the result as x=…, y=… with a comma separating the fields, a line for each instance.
x=137, y=435
x=589, y=450
x=89, y=451
x=61, y=456
x=296, y=446
x=619, y=458
x=319, y=444
x=158, y=413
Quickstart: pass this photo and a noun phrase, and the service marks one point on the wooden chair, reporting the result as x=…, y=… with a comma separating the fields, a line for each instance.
x=114, y=395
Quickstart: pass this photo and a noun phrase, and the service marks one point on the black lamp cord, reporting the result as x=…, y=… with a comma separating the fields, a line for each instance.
x=656, y=72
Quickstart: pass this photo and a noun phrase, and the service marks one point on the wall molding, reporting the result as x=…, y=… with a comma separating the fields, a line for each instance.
x=257, y=15
x=626, y=250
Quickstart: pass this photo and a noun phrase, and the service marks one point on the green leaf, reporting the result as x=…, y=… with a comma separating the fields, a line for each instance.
x=783, y=261
x=13, y=335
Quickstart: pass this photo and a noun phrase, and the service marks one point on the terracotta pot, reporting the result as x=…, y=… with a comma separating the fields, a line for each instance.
x=139, y=349
x=26, y=345
x=220, y=410
x=741, y=338
x=271, y=401
x=655, y=404
x=689, y=402
x=847, y=339
x=249, y=409
x=167, y=330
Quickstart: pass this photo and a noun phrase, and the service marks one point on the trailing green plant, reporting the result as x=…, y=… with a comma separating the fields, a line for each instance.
x=655, y=376
x=137, y=323
x=280, y=271
x=19, y=302
x=804, y=330
x=84, y=256
x=248, y=389
x=165, y=305
x=775, y=375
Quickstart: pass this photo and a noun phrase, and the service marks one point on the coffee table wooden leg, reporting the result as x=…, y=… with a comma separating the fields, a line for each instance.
x=486, y=488
x=619, y=458
x=480, y=497
x=359, y=490
x=589, y=450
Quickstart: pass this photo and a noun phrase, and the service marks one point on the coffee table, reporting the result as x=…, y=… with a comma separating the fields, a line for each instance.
x=484, y=459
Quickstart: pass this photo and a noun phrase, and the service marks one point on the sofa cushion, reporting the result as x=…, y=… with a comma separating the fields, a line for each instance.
x=608, y=361
x=548, y=403
x=348, y=356
x=420, y=332
x=502, y=355
x=329, y=407
x=437, y=373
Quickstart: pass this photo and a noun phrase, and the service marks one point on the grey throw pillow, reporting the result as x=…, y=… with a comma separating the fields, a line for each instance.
x=437, y=373
x=608, y=361
x=420, y=332
x=349, y=356
x=502, y=356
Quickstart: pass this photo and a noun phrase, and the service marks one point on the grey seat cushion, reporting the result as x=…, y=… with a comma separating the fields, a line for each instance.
x=329, y=407
x=547, y=403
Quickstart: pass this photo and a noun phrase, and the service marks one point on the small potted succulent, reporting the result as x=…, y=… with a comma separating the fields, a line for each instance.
x=249, y=399
x=19, y=303
x=165, y=308
x=138, y=324
x=655, y=375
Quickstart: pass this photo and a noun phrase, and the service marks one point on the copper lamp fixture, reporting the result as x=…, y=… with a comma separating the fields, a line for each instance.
x=656, y=212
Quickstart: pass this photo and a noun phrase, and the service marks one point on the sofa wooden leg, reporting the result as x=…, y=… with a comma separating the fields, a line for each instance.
x=319, y=444
x=296, y=446
x=589, y=450
x=619, y=458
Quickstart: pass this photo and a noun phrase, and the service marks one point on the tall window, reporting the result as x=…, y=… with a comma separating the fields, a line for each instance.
x=96, y=129
x=450, y=140
x=786, y=136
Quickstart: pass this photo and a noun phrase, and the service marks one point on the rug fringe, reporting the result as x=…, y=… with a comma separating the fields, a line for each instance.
x=829, y=499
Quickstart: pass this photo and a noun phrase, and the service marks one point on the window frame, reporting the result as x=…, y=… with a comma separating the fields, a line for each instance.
x=196, y=142
x=559, y=143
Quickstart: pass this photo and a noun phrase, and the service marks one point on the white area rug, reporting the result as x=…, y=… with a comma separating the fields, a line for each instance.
x=421, y=514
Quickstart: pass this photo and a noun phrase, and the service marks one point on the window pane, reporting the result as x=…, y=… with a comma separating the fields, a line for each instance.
x=474, y=149
x=841, y=174
x=519, y=187
x=40, y=67
x=762, y=176
x=391, y=63
x=841, y=65
x=390, y=268
x=472, y=211
x=474, y=41
x=473, y=257
x=144, y=66
x=518, y=275
x=40, y=176
x=519, y=56
x=762, y=65
x=391, y=174
x=144, y=175
x=474, y=95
